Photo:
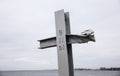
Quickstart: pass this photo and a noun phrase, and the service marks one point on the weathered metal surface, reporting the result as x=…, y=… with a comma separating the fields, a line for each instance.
x=80, y=39
x=47, y=43
x=69, y=46
x=62, y=50
x=71, y=39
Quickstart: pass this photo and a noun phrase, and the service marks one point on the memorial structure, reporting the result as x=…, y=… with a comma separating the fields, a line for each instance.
x=64, y=40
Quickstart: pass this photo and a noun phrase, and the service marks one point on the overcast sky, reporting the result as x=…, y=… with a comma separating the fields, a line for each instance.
x=23, y=22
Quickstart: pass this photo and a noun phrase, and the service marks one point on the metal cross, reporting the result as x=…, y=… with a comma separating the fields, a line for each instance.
x=63, y=41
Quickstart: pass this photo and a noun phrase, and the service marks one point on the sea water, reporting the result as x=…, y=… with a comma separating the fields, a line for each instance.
x=55, y=73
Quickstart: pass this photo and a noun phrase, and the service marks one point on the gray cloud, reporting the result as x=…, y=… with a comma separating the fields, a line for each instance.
x=24, y=22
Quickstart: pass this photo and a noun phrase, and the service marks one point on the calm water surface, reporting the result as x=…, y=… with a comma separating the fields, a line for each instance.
x=55, y=73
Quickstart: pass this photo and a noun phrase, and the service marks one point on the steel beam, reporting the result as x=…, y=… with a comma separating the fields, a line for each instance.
x=72, y=39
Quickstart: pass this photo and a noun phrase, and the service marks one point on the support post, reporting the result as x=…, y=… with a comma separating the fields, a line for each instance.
x=65, y=61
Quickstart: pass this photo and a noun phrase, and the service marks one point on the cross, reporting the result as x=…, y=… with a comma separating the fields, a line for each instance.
x=63, y=41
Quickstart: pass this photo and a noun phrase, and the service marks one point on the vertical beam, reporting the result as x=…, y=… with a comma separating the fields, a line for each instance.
x=61, y=43
x=69, y=46
x=65, y=62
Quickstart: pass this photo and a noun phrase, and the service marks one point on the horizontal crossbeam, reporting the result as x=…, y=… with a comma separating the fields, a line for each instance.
x=71, y=39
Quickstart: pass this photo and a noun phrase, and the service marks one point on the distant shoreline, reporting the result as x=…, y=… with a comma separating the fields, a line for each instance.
x=102, y=69
x=86, y=69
